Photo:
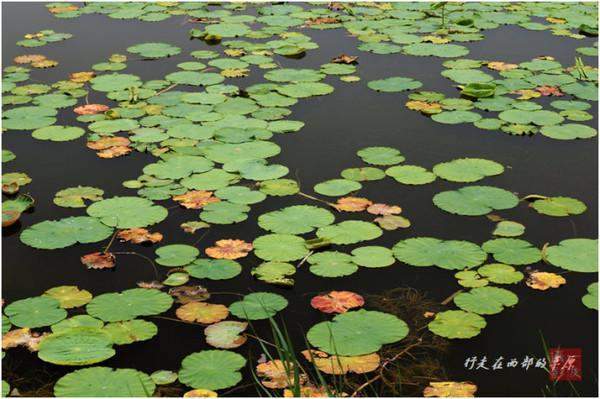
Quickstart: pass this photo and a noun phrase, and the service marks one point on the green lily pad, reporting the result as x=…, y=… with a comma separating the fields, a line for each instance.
x=382, y=156
x=69, y=296
x=178, y=167
x=240, y=195
x=280, y=247
x=456, y=117
x=485, y=300
x=508, y=228
x=78, y=346
x=35, y=312
x=298, y=219
x=337, y=187
x=558, y=206
x=373, y=256
x=129, y=304
x=331, y=264
x=294, y=75
x=569, y=131
x=410, y=174
x=115, y=82
x=279, y=187
x=467, y=170
x=176, y=255
x=512, y=251
x=127, y=332
x=81, y=320
x=576, y=254
x=457, y=324
x=500, y=274
x=394, y=84
x=475, y=200
x=428, y=251
x=214, y=269
x=58, y=133
x=277, y=273
x=258, y=306
x=104, y=382
x=226, y=334
x=590, y=300
x=154, y=50
x=363, y=174
x=349, y=232
x=54, y=234
x=436, y=50
x=28, y=118
x=73, y=197
x=224, y=212
x=214, y=179
x=357, y=332
x=164, y=377
x=127, y=212
x=211, y=369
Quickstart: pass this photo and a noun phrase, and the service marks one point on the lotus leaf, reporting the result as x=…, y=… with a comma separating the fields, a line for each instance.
x=73, y=197
x=277, y=273
x=214, y=269
x=349, y=232
x=475, y=200
x=576, y=254
x=508, y=228
x=427, y=251
x=512, y=251
x=154, y=50
x=77, y=346
x=35, y=312
x=467, y=170
x=104, y=382
x=211, y=369
x=410, y=174
x=500, y=274
x=332, y=264
x=485, y=300
x=373, y=256
x=298, y=219
x=457, y=324
x=53, y=234
x=58, y=133
x=176, y=255
x=337, y=187
x=226, y=334
x=129, y=304
x=258, y=306
x=357, y=332
x=127, y=212
x=394, y=84
x=69, y=296
x=590, y=299
x=280, y=247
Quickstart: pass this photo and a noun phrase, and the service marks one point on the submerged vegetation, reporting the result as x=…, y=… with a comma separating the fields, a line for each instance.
x=209, y=138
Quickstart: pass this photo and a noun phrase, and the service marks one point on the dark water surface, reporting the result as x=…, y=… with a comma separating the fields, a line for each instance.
x=337, y=125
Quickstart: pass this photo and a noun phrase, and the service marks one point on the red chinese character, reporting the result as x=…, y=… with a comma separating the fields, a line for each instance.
x=565, y=364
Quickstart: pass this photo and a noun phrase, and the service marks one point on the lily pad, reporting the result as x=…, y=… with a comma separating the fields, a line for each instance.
x=428, y=251
x=214, y=269
x=127, y=212
x=590, y=299
x=127, y=332
x=35, y=312
x=349, y=232
x=298, y=219
x=54, y=234
x=104, y=382
x=337, y=187
x=332, y=264
x=475, y=200
x=176, y=255
x=512, y=251
x=467, y=170
x=485, y=300
x=394, y=84
x=410, y=174
x=78, y=346
x=129, y=304
x=575, y=254
x=357, y=332
x=500, y=274
x=69, y=296
x=373, y=256
x=280, y=247
x=258, y=306
x=558, y=206
x=58, y=133
x=154, y=50
x=73, y=197
x=211, y=369
x=382, y=156
x=457, y=324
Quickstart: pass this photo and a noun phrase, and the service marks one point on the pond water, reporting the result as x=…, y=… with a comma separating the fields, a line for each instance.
x=337, y=125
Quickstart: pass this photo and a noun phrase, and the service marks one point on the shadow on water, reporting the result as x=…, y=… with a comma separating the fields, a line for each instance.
x=337, y=125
